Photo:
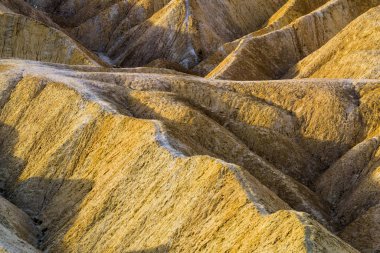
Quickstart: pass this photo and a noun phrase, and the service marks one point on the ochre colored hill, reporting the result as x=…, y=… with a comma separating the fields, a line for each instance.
x=29, y=34
x=181, y=31
x=25, y=38
x=353, y=53
x=116, y=130
x=281, y=156
x=261, y=57
x=289, y=12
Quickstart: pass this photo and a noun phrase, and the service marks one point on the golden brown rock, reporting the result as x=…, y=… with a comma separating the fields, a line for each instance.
x=156, y=159
x=25, y=38
x=271, y=55
x=289, y=12
x=99, y=154
x=353, y=53
x=181, y=31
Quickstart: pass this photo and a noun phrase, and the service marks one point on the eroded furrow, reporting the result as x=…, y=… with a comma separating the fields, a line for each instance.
x=169, y=159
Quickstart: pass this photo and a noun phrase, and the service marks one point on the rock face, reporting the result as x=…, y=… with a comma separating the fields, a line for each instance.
x=156, y=159
x=18, y=232
x=37, y=37
x=22, y=37
x=174, y=163
x=357, y=57
x=288, y=13
x=258, y=57
x=180, y=30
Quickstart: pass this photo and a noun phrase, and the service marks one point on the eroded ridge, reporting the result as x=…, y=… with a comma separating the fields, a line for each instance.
x=95, y=157
x=126, y=160
x=232, y=43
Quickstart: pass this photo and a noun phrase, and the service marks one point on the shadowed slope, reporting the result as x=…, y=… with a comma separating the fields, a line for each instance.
x=97, y=159
x=353, y=53
x=181, y=31
x=289, y=12
x=166, y=174
x=184, y=32
x=271, y=55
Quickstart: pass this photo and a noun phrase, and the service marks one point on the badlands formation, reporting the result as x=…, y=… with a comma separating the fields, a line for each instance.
x=190, y=126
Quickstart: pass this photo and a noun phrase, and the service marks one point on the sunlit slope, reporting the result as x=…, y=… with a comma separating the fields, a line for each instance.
x=353, y=53
x=232, y=43
x=182, y=140
x=282, y=155
x=289, y=12
x=181, y=31
x=109, y=142
x=271, y=55
x=34, y=37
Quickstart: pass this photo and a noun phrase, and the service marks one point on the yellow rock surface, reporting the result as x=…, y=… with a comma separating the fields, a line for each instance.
x=184, y=32
x=181, y=31
x=289, y=12
x=353, y=53
x=95, y=158
x=21, y=7
x=107, y=167
x=25, y=38
x=261, y=57
x=28, y=33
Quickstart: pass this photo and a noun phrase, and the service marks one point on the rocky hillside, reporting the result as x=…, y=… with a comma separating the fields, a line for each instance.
x=283, y=155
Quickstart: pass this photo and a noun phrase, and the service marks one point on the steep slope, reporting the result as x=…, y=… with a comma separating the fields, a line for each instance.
x=71, y=14
x=123, y=33
x=271, y=55
x=25, y=38
x=355, y=196
x=353, y=53
x=167, y=31
x=74, y=182
x=105, y=22
x=17, y=231
x=155, y=159
x=21, y=7
x=28, y=33
x=289, y=12
x=182, y=31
